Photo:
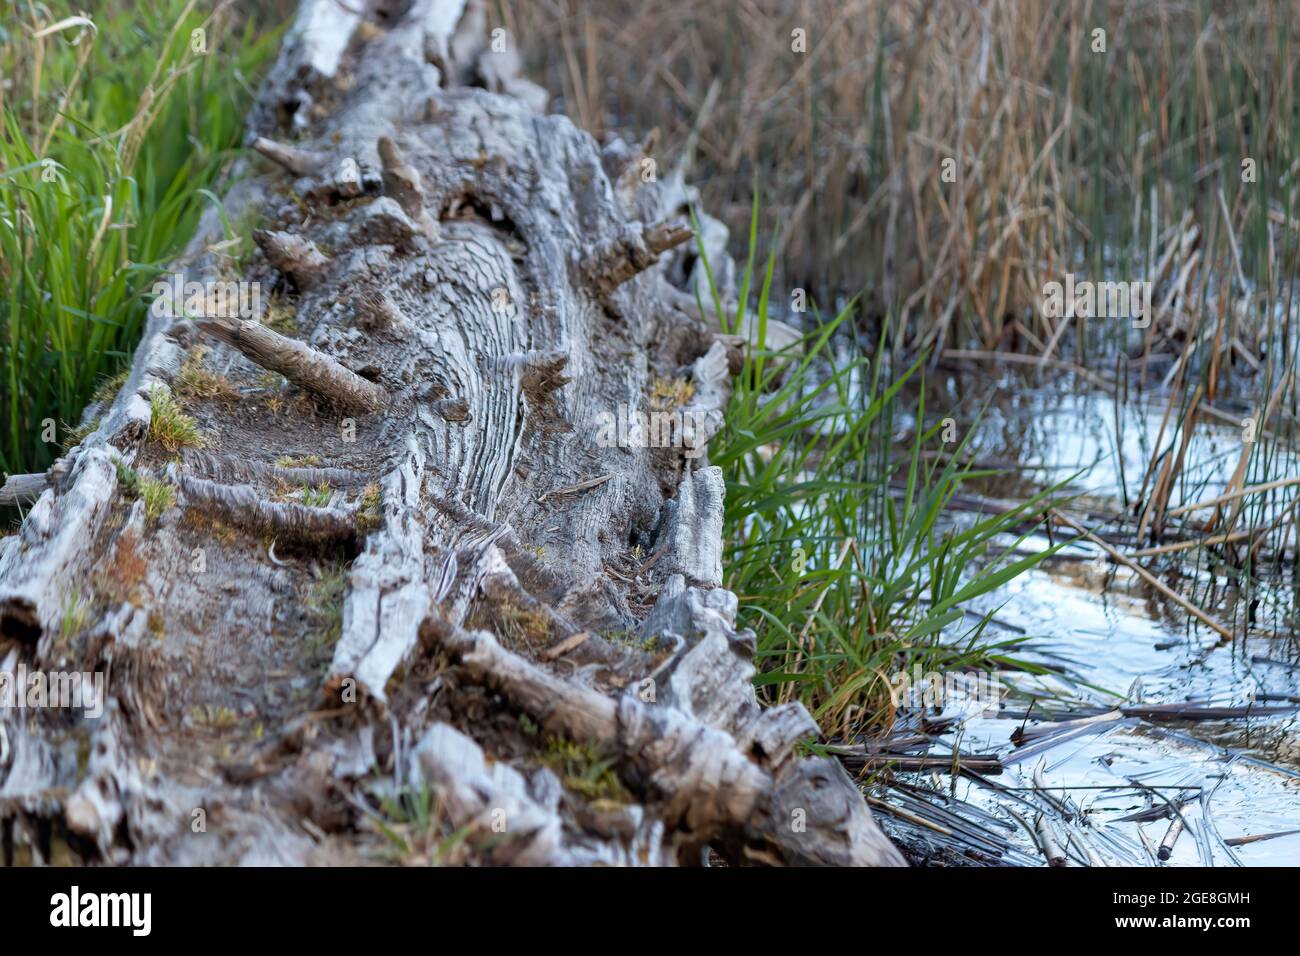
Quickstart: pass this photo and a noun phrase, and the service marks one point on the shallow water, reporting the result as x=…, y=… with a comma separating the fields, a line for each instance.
x=1120, y=642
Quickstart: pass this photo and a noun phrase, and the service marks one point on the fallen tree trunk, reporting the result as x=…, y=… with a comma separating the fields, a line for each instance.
x=407, y=574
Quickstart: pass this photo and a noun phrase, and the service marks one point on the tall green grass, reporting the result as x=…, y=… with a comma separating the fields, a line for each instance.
x=108, y=134
x=838, y=538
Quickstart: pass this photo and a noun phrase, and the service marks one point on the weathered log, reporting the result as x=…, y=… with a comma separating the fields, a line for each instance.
x=482, y=584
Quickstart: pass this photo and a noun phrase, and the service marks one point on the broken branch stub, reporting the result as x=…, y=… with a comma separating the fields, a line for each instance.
x=244, y=506
x=807, y=810
x=22, y=489
x=297, y=258
x=402, y=183
x=300, y=162
x=631, y=253
x=298, y=362
x=375, y=310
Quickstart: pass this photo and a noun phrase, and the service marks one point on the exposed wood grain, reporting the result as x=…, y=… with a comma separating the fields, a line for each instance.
x=467, y=591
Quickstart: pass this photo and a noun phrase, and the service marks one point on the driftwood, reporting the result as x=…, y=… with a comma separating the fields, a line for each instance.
x=491, y=282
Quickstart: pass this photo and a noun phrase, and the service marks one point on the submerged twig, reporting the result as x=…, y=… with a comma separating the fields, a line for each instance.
x=1146, y=576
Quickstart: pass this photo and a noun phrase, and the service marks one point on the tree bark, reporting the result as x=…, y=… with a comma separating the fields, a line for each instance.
x=474, y=283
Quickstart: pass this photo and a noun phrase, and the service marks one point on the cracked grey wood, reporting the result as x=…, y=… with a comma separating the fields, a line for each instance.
x=534, y=301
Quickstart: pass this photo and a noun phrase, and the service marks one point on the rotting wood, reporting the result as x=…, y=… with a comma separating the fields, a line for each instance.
x=242, y=471
x=215, y=614
x=709, y=786
x=575, y=488
x=402, y=183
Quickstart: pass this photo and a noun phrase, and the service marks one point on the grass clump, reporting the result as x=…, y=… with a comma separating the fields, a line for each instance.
x=108, y=388
x=520, y=626
x=169, y=426
x=584, y=769
x=128, y=479
x=214, y=718
x=280, y=316
x=413, y=823
x=195, y=381
x=834, y=534
x=111, y=129
x=74, y=617
x=369, y=515
x=297, y=461
x=318, y=497
x=631, y=639
x=671, y=393
x=72, y=437
x=158, y=495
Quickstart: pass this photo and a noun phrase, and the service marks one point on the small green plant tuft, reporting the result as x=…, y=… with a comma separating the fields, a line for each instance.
x=168, y=425
x=369, y=515
x=214, y=718
x=280, y=317
x=297, y=461
x=75, y=615
x=128, y=480
x=517, y=625
x=72, y=437
x=416, y=829
x=318, y=497
x=195, y=381
x=585, y=770
x=630, y=638
x=670, y=393
x=158, y=495
x=110, y=386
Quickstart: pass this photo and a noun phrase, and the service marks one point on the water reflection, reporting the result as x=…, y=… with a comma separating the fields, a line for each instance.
x=1123, y=644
